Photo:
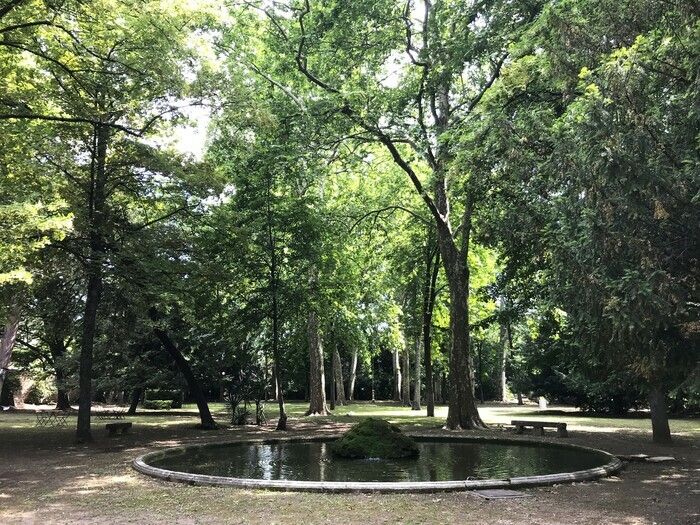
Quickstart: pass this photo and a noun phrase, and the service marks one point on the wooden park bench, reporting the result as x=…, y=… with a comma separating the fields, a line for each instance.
x=520, y=426
x=122, y=427
x=50, y=419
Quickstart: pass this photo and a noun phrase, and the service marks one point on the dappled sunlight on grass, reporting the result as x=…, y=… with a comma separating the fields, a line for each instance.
x=47, y=478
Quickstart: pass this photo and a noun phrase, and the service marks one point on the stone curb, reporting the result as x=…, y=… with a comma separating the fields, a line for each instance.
x=141, y=465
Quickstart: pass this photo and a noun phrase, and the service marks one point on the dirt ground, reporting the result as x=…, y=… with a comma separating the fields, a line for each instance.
x=45, y=478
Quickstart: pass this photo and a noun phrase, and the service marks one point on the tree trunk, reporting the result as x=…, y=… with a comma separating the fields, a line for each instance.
x=396, y=367
x=406, y=377
x=207, y=422
x=135, y=398
x=317, y=380
x=331, y=385
x=502, y=386
x=429, y=296
x=371, y=371
x=7, y=343
x=93, y=270
x=57, y=347
x=438, y=388
x=520, y=398
x=276, y=359
x=661, y=432
x=462, y=412
x=480, y=346
x=415, y=405
x=353, y=374
x=338, y=376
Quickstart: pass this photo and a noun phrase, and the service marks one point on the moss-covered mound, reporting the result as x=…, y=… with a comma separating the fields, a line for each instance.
x=375, y=438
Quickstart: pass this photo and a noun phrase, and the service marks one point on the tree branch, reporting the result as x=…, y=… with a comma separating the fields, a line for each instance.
x=378, y=212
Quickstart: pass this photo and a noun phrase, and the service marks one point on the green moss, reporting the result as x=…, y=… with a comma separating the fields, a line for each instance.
x=375, y=438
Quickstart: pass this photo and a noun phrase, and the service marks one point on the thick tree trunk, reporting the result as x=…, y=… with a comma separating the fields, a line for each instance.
x=396, y=369
x=207, y=422
x=415, y=404
x=462, y=412
x=317, y=380
x=353, y=374
x=57, y=348
x=406, y=377
x=338, y=377
x=7, y=342
x=62, y=398
x=97, y=220
x=661, y=432
x=135, y=398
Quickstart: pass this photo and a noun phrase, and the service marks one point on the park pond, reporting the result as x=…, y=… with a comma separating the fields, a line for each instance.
x=442, y=460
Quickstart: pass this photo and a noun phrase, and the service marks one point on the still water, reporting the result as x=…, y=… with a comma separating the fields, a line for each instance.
x=438, y=461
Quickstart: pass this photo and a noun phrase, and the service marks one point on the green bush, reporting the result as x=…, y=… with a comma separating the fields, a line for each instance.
x=157, y=404
x=375, y=438
x=157, y=394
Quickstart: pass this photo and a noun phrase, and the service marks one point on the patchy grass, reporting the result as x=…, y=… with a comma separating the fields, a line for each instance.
x=45, y=478
x=491, y=413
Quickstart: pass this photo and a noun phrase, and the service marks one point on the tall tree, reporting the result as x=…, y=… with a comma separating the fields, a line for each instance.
x=441, y=76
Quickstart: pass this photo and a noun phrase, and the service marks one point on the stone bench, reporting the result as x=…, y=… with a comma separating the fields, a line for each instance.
x=110, y=414
x=113, y=428
x=521, y=425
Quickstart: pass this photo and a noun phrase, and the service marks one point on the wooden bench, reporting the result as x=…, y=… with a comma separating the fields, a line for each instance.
x=113, y=428
x=520, y=426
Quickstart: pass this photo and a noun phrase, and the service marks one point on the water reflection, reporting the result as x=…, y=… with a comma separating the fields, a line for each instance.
x=438, y=461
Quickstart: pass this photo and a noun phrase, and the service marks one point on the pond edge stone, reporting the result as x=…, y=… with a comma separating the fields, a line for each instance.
x=141, y=465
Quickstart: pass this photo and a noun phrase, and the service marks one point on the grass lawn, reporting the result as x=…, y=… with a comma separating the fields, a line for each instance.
x=45, y=478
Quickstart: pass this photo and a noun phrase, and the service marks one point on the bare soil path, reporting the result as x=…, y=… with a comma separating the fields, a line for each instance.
x=44, y=478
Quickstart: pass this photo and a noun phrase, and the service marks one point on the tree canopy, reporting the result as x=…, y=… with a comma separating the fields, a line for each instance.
x=428, y=201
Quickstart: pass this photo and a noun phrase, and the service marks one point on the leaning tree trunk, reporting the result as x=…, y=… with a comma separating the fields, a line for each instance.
x=661, y=432
x=415, y=404
x=396, y=369
x=207, y=422
x=338, y=377
x=353, y=374
x=7, y=343
x=406, y=377
x=93, y=271
x=317, y=380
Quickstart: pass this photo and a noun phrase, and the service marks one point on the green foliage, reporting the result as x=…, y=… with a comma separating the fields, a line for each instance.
x=174, y=396
x=157, y=404
x=374, y=438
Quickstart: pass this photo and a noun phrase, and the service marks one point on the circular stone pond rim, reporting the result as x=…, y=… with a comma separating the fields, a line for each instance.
x=141, y=465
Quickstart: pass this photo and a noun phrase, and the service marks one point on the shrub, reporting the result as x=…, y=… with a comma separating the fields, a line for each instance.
x=175, y=396
x=157, y=404
x=375, y=438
